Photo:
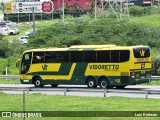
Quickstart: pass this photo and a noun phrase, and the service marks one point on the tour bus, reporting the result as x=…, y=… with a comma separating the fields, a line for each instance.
x=106, y=66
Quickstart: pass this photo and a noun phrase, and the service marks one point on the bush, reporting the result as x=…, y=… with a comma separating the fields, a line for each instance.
x=136, y=10
x=4, y=48
x=148, y=10
x=103, y=31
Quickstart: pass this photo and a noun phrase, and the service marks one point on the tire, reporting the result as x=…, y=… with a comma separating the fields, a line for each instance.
x=54, y=85
x=104, y=83
x=120, y=87
x=38, y=82
x=91, y=83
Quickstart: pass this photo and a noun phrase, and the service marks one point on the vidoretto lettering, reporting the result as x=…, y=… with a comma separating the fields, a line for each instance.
x=105, y=67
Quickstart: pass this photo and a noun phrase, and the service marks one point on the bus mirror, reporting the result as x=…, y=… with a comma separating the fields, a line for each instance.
x=18, y=63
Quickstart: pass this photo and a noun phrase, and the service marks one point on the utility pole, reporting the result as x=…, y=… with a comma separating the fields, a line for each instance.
x=63, y=11
x=95, y=9
x=33, y=18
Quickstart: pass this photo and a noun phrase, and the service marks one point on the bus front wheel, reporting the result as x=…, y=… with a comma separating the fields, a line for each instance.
x=38, y=82
x=91, y=83
x=104, y=83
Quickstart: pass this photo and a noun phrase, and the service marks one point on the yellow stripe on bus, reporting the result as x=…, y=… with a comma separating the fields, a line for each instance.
x=108, y=69
x=53, y=77
x=53, y=67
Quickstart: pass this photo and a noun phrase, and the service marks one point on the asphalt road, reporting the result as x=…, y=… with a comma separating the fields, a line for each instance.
x=138, y=91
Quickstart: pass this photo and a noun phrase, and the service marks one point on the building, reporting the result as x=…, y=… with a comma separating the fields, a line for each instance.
x=73, y=4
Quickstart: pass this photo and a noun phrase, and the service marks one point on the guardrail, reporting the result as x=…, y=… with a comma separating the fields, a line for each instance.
x=98, y=90
x=9, y=76
x=155, y=77
x=17, y=77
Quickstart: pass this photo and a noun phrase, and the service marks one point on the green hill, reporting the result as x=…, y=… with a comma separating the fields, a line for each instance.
x=138, y=30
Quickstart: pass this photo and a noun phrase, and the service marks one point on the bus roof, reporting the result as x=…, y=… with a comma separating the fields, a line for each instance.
x=85, y=47
x=47, y=49
x=92, y=46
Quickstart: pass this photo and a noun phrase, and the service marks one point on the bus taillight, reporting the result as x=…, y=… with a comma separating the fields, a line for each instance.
x=133, y=73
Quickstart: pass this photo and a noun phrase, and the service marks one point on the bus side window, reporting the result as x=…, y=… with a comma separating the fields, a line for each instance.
x=89, y=56
x=124, y=55
x=103, y=56
x=50, y=57
x=115, y=56
x=76, y=56
x=56, y=56
x=38, y=57
x=63, y=56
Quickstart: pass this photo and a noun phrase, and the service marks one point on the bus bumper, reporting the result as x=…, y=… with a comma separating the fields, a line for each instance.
x=140, y=81
x=26, y=81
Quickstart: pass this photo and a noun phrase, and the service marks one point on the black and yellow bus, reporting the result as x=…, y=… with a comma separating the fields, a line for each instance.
x=92, y=65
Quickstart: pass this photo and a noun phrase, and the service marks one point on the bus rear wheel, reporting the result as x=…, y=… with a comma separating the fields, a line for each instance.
x=54, y=85
x=104, y=83
x=91, y=83
x=38, y=82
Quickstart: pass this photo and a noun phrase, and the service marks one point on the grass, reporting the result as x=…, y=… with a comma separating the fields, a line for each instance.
x=39, y=25
x=12, y=70
x=9, y=81
x=37, y=102
x=148, y=19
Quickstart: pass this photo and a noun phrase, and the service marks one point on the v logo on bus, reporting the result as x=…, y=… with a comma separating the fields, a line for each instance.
x=142, y=52
x=44, y=67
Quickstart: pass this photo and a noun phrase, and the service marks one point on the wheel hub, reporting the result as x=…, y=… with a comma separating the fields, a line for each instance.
x=103, y=84
x=37, y=82
x=91, y=83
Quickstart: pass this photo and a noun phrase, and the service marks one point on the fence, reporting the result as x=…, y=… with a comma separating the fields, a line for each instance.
x=17, y=77
x=66, y=90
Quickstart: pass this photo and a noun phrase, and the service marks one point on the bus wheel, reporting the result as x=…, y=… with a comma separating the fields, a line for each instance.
x=120, y=87
x=38, y=82
x=104, y=83
x=91, y=83
x=54, y=85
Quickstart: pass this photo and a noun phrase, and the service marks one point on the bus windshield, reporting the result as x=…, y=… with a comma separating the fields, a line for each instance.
x=26, y=61
x=141, y=52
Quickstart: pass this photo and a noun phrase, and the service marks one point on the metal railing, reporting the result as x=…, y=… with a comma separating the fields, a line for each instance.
x=17, y=77
x=155, y=77
x=9, y=76
x=64, y=91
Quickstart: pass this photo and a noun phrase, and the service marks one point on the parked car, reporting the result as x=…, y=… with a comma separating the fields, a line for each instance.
x=4, y=31
x=14, y=31
x=3, y=24
x=9, y=23
x=29, y=32
x=23, y=40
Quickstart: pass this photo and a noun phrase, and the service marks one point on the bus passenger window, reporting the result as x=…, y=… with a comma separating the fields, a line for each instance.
x=115, y=56
x=76, y=56
x=50, y=57
x=63, y=56
x=38, y=57
x=89, y=56
x=124, y=55
x=103, y=56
